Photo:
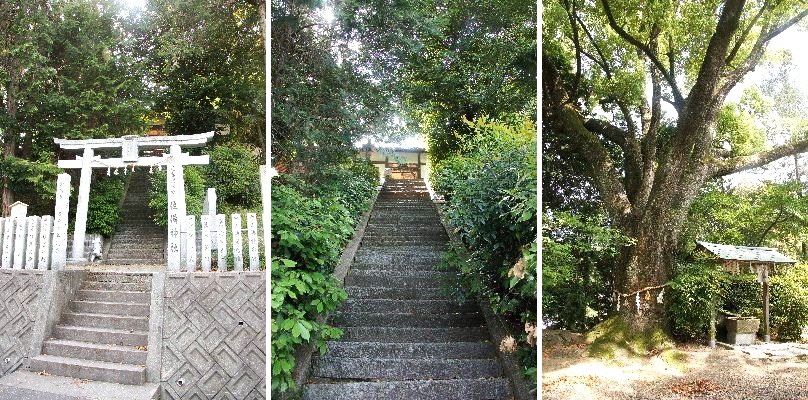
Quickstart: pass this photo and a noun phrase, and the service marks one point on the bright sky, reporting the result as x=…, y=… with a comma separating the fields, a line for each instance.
x=134, y=3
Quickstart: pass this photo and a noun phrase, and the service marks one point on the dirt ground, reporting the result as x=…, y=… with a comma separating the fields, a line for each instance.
x=689, y=372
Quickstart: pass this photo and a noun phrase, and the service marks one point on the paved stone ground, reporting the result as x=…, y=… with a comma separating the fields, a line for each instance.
x=568, y=373
x=775, y=351
x=24, y=385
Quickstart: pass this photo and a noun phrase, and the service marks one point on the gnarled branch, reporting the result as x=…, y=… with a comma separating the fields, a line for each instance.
x=743, y=163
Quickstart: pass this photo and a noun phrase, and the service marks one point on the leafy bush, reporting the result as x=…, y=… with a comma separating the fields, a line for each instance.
x=194, y=194
x=313, y=217
x=696, y=292
x=578, y=257
x=103, y=209
x=234, y=172
x=297, y=296
x=789, y=303
x=490, y=187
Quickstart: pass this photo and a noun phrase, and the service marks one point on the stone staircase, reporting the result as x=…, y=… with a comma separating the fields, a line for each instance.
x=404, y=337
x=104, y=332
x=137, y=240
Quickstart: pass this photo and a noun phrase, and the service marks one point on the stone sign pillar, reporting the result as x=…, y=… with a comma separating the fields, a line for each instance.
x=59, y=246
x=80, y=226
x=209, y=208
x=18, y=214
x=266, y=175
x=176, y=210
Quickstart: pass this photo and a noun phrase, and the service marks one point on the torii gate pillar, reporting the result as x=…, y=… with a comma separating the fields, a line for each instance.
x=80, y=227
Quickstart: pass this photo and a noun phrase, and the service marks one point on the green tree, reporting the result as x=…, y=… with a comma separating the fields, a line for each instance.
x=607, y=67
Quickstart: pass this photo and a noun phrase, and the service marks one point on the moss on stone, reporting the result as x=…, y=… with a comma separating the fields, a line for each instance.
x=614, y=338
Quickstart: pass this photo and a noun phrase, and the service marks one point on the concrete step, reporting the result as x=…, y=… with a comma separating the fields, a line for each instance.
x=101, y=335
x=394, y=248
x=125, y=323
x=372, y=240
x=453, y=389
x=116, y=296
x=395, y=281
x=406, y=320
x=403, y=369
x=369, y=292
x=406, y=306
x=457, y=350
x=90, y=369
x=109, y=307
x=94, y=351
x=125, y=287
x=414, y=334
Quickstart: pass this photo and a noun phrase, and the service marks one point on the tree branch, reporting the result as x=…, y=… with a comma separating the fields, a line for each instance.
x=739, y=42
x=677, y=94
x=560, y=114
x=603, y=64
x=743, y=163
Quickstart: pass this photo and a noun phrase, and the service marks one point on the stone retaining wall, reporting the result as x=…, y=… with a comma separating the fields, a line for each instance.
x=20, y=293
x=212, y=335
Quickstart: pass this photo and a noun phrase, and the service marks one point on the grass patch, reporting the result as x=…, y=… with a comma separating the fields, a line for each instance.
x=675, y=359
x=613, y=339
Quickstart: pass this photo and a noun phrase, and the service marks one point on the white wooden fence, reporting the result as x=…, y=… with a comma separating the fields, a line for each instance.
x=32, y=243
x=214, y=231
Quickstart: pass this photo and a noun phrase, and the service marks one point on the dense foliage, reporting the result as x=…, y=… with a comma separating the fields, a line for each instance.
x=702, y=288
x=104, y=208
x=313, y=217
x=194, y=193
x=490, y=187
x=234, y=172
x=578, y=255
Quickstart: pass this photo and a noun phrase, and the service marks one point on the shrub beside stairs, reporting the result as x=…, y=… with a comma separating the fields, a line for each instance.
x=404, y=337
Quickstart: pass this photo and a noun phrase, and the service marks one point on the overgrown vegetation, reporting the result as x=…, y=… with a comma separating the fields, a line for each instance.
x=490, y=187
x=313, y=216
x=104, y=207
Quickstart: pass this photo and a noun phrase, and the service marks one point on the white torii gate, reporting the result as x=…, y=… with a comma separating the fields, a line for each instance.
x=130, y=147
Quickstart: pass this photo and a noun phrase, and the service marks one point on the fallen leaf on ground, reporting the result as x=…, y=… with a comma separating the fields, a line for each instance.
x=700, y=386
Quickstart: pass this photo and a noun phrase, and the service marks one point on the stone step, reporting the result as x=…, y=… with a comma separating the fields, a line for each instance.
x=421, y=266
x=112, y=308
x=126, y=287
x=403, y=273
x=135, y=261
x=394, y=281
x=369, y=292
x=391, y=258
x=406, y=320
x=404, y=248
x=101, y=335
x=404, y=240
x=116, y=296
x=94, y=351
x=403, y=369
x=452, y=389
x=457, y=350
x=398, y=227
x=406, y=306
x=90, y=369
x=119, y=277
x=136, y=254
x=94, y=320
x=414, y=334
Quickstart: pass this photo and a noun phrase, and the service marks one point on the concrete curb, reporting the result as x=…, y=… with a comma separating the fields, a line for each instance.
x=154, y=347
x=303, y=355
x=57, y=291
x=510, y=364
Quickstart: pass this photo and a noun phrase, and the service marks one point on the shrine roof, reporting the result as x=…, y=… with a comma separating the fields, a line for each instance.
x=746, y=253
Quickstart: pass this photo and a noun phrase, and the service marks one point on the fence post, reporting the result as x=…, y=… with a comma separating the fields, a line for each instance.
x=7, y=240
x=59, y=246
x=32, y=244
x=190, y=228
x=252, y=241
x=206, y=242
x=221, y=242
x=19, y=242
x=45, y=228
x=238, y=247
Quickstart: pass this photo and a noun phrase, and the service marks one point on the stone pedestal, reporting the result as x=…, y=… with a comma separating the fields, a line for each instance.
x=742, y=330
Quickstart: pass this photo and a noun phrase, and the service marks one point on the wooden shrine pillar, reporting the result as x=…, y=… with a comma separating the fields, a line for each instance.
x=766, y=335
